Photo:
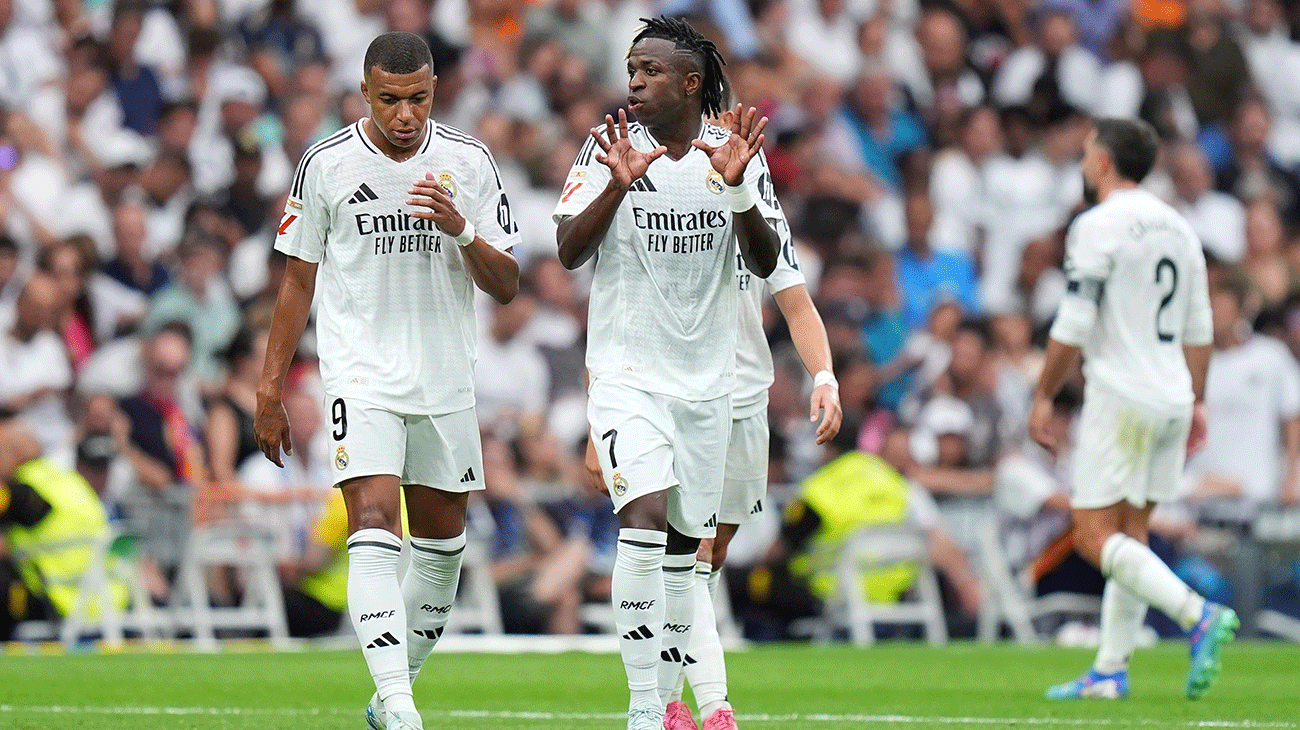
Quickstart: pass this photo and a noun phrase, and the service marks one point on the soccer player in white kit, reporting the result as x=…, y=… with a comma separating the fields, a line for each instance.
x=1138, y=309
x=745, y=482
x=401, y=217
x=666, y=204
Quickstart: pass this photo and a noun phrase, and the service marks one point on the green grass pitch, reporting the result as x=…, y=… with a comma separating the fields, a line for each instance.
x=787, y=687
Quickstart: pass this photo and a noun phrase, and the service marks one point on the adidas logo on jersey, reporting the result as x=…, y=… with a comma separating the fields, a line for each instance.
x=363, y=195
x=713, y=521
x=642, y=184
x=469, y=476
x=639, y=633
x=385, y=639
x=758, y=507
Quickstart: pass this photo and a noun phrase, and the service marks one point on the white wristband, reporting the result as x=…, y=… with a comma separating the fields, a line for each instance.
x=825, y=377
x=738, y=197
x=466, y=236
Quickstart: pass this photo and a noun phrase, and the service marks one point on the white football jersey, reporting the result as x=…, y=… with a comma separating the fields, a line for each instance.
x=395, y=325
x=753, y=356
x=663, y=300
x=1141, y=262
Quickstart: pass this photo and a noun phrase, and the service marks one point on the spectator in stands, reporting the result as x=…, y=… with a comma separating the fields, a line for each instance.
x=882, y=129
x=1054, y=72
x=511, y=380
x=137, y=86
x=1219, y=74
x=928, y=273
x=1265, y=268
x=99, y=308
x=229, y=431
x=1219, y=219
x=1273, y=56
x=537, y=569
x=43, y=507
x=162, y=444
x=134, y=266
x=201, y=298
x=1251, y=172
x=278, y=40
x=1251, y=457
x=316, y=587
x=35, y=373
x=11, y=283
x=957, y=180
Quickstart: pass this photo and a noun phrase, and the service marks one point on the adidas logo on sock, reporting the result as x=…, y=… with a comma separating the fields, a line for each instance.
x=469, y=475
x=671, y=655
x=385, y=639
x=758, y=507
x=431, y=635
x=363, y=194
x=713, y=521
x=689, y=660
x=643, y=184
x=640, y=632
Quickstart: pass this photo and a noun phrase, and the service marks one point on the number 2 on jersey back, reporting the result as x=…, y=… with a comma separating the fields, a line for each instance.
x=1165, y=263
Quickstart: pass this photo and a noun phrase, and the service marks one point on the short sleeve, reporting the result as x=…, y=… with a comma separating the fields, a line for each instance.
x=492, y=217
x=306, y=219
x=1089, y=253
x=758, y=178
x=787, y=273
x=586, y=179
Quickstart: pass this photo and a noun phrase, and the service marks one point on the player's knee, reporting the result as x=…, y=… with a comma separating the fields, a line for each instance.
x=1088, y=545
x=679, y=544
x=377, y=517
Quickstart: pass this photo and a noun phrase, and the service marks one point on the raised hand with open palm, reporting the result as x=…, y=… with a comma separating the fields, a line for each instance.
x=732, y=157
x=626, y=163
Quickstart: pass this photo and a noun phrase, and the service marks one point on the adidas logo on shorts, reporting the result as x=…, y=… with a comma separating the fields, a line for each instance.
x=713, y=521
x=469, y=476
x=363, y=195
x=758, y=507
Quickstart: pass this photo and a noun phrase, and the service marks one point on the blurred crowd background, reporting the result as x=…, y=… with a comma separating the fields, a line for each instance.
x=925, y=152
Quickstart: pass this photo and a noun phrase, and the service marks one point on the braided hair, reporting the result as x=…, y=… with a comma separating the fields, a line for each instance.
x=713, y=89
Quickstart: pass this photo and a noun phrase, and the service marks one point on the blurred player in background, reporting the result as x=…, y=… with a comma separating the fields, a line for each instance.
x=667, y=204
x=402, y=217
x=1138, y=309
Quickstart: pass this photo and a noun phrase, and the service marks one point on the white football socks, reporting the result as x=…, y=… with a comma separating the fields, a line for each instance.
x=378, y=614
x=707, y=668
x=679, y=611
x=637, y=592
x=1142, y=572
x=428, y=591
x=1122, y=615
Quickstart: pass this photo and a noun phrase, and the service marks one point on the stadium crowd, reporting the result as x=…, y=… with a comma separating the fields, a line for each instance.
x=925, y=151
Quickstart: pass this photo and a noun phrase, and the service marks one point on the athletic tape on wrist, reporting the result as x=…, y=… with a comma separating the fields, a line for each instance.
x=825, y=377
x=738, y=198
x=466, y=236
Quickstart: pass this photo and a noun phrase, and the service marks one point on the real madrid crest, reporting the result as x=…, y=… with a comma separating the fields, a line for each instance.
x=341, y=459
x=713, y=181
x=620, y=484
x=446, y=183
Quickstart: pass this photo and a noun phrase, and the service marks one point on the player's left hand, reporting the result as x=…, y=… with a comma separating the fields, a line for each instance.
x=440, y=208
x=1200, y=424
x=732, y=157
x=826, y=403
x=1039, y=416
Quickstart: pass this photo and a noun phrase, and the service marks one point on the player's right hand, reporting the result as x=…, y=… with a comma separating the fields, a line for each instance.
x=595, y=478
x=626, y=163
x=271, y=426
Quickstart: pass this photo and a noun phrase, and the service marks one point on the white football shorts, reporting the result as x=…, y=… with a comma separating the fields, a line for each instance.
x=745, y=484
x=1125, y=454
x=649, y=442
x=440, y=451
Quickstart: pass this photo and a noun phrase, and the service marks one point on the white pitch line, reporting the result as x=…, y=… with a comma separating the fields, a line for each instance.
x=563, y=716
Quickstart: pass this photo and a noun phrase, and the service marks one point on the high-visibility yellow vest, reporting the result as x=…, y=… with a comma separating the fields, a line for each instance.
x=854, y=491
x=329, y=585
x=57, y=551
